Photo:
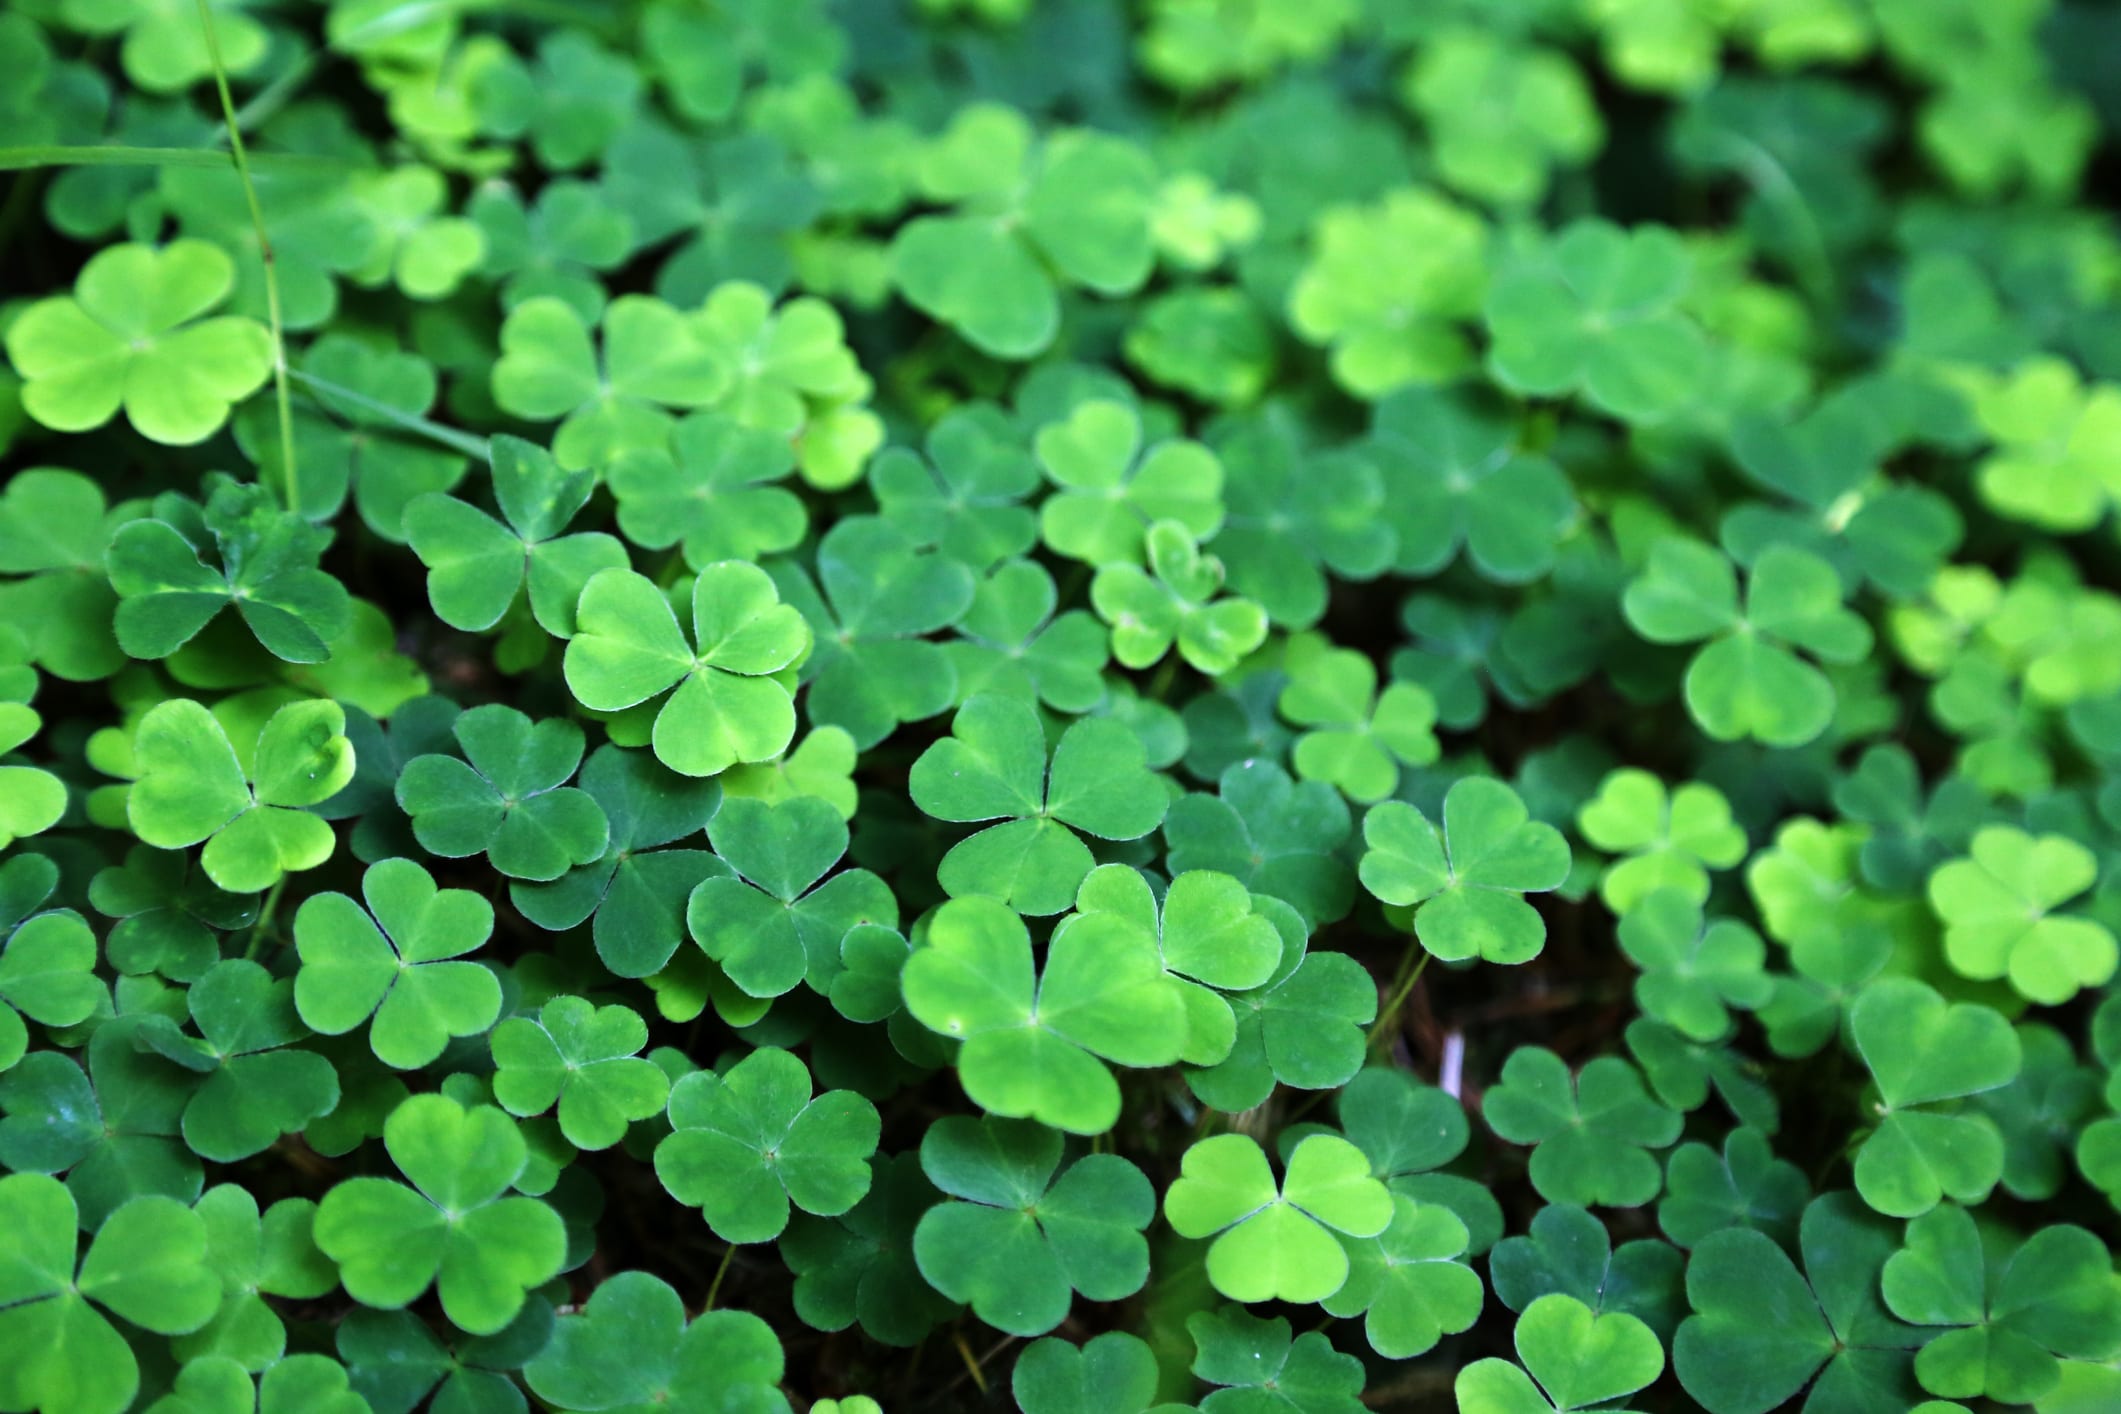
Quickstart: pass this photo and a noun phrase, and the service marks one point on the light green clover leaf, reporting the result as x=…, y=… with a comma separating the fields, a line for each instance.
x=1111, y=490
x=297, y=1384
x=453, y=1228
x=821, y=764
x=1592, y=1132
x=2055, y=444
x=584, y=1058
x=192, y=789
x=1579, y=1359
x=793, y=376
x=710, y=485
x=1693, y=969
x=630, y=1347
x=398, y=966
x=256, y=1255
x=131, y=336
x=1467, y=881
x=729, y=706
x=1997, y=909
x=1670, y=838
x=1501, y=114
x=1276, y=1243
x=1459, y=480
x=1303, y=1027
x=1260, y=1368
x=1023, y=1235
x=1276, y=835
x=746, y=1144
x=1921, y=1051
x=1011, y=641
x=48, y=958
x=55, y=530
x=994, y=766
x=1034, y=1040
x=507, y=798
x=1175, y=602
x=1410, y=1282
x=1358, y=738
x=31, y=799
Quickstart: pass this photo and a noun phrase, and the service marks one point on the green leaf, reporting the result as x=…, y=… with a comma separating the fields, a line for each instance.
x=1922, y=1050
x=1358, y=738
x=1261, y=1368
x=584, y=1058
x=1693, y=969
x=1997, y=908
x=507, y=798
x=1460, y=483
x=1592, y=1131
x=1275, y=835
x=1410, y=1280
x=1670, y=838
x=1578, y=1358
x=1469, y=879
x=630, y=1346
x=1276, y=1243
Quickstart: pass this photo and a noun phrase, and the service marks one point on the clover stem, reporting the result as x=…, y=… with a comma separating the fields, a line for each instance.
x=1165, y=672
x=272, y=904
x=449, y=437
x=964, y=1351
x=1403, y=986
x=714, y=1288
x=265, y=255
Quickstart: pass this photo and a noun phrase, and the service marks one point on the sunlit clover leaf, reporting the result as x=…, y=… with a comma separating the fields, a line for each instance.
x=508, y=797
x=1568, y=1250
x=966, y=495
x=2055, y=447
x=1357, y=738
x=257, y=1086
x=630, y=1350
x=994, y=766
x=1592, y=1132
x=2016, y=1311
x=1997, y=909
x=1111, y=490
x=1012, y=641
x=711, y=485
x=1174, y=601
x=398, y=966
x=32, y=799
x=476, y=564
x=860, y=1267
x=146, y=1265
x=1761, y=1332
x=1669, y=838
x=584, y=1058
x=170, y=916
x=557, y=246
x=1579, y=1359
x=1276, y=1243
x=1748, y=682
x=773, y=925
x=453, y=1228
x=1501, y=114
x=267, y=571
x=1456, y=480
x=1921, y=1051
x=1114, y=1373
x=1020, y=1241
x=821, y=764
x=1467, y=881
x=1693, y=969
x=729, y=705
x=1278, y=836
x=131, y=336
x=1035, y=1042
x=256, y=1255
x=793, y=376
x=653, y=359
x=746, y=1144
x=48, y=958
x=1410, y=1282
x=297, y=1384
x=1745, y=1186
x=54, y=531
x=191, y=789
x=637, y=889
x=1262, y=1371
x=1303, y=1028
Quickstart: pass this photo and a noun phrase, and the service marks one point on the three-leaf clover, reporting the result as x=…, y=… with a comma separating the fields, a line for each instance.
x=55, y=530
x=256, y=1255
x=630, y=1347
x=1357, y=737
x=1410, y=1282
x=1175, y=601
x=1114, y=1373
x=1670, y=838
x=584, y=1058
x=1011, y=641
x=1110, y=491
x=1276, y=835
x=47, y=960
x=1458, y=480
x=1997, y=908
x=1921, y=1051
x=966, y=495
x=1744, y=1186
x=710, y=487
x=1260, y=1368
x=1276, y=1242
x=507, y=798
x=860, y=1266
x=1578, y=1357
x=1026, y=1235
x=1468, y=880
x=1567, y=1249
x=1302, y=1027
x=1693, y=969
x=1593, y=1131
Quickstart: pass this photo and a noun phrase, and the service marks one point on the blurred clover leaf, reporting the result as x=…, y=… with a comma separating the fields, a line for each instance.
x=966, y=495
x=1693, y=969
x=1461, y=481
x=55, y=530
x=710, y=486
x=1277, y=1243
x=1175, y=602
x=1011, y=641
x=1259, y=1366
x=860, y=1266
x=1110, y=491
x=1743, y=1186
x=1501, y=114
x=1997, y=909
x=1921, y=1051
x=1358, y=738
x=1466, y=881
x=1114, y=1373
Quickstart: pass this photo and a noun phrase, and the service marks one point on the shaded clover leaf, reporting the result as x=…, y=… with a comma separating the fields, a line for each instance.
x=1110, y=491
x=1693, y=969
x=255, y=824
x=1357, y=738
x=860, y=1266
x=1460, y=482
x=1467, y=881
x=584, y=1058
x=453, y=1227
x=966, y=495
x=731, y=704
x=1022, y=1235
x=710, y=486
x=1578, y=1358
x=55, y=530
x=556, y=246
x=507, y=798
x=1410, y=1282
x=1592, y=1131
x=1303, y=1027
x=170, y=915
x=1277, y=1243
x=398, y=966
x=1275, y=835
x=746, y=1144
x=47, y=960
x=1923, y=1050
x=1997, y=908
x=1669, y=838
x=994, y=765
x=395, y=1360
x=1744, y=1186
x=1910, y=834
x=630, y=1347
x=1175, y=602
x=131, y=336
x=1568, y=1250
x=256, y=1255
x=1114, y=1373
x=1011, y=641
x=1260, y=1368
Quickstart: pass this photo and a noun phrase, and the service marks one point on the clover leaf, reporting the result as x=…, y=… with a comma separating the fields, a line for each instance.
x=453, y=1227
x=256, y=1255
x=1114, y=1373
x=216, y=1384
x=1501, y=114
x=1276, y=1243
x=254, y=823
x=1460, y=481
x=169, y=915
x=1578, y=1358
x=2054, y=437
x=1591, y=1131
x=47, y=959
x=1568, y=1250
x=794, y=377
x=31, y=800
x=1744, y=1186
x=1693, y=969
x=1175, y=602
x=1302, y=1027
x=966, y=495
x=394, y=1359
x=729, y=706
x=1011, y=641
x=557, y=245
x=1670, y=838
x=131, y=336
x=1997, y=910
x=395, y=963
x=584, y=1058
x=1275, y=835
x=507, y=798
x=860, y=1266
x=1260, y=1368
x=994, y=765
x=1020, y=1234
x=710, y=486
x=55, y=530
x=1922, y=1050
x=1358, y=738
x=1410, y=1281
x=630, y=1347
x=1469, y=879
x=1110, y=491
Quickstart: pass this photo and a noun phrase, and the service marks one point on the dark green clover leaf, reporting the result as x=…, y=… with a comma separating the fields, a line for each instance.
x=1669, y=838
x=1114, y=1373
x=507, y=798
x=1999, y=920
x=1458, y=481
x=395, y=1360
x=267, y=569
x=994, y=766
x=773, y=925
x=1922, y=1051
x=1683, y=1072
x=55, y=531
x=746, y=1144
x=476, y=565
x=874, y=598
x=1410, y=1282
x=1593, y=1131
x=1468, y=880
x=586, y=1059
x=1174, y=601
x=1578, y=1357
x=397, y=966
x=146, y=1265
x=453, y=1226
x=860, y=1266
x=1744, y=1186
x=1111, y=491
x=1358, y=738
x=1262, y=1371
x=1277, y=1243
x=1693, y=969
x=1034, y=1039
x=733, y=701
x=1303, y=1027
x=1023, y=1241
x=298, y=1384
x=48, y=958
x=1748, y=682
x=170, y=915
x=1568, y=1250
x=711, y=486
x=254, y=1090
x=556, y=246
x=1275, y=835
x=630, y=1348
x=1011, y=642
x=1761, y=1332
x=1910, y=833
x=2042, y=1111
x=256, y=826
x=255, y=1256
x=966, y=496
